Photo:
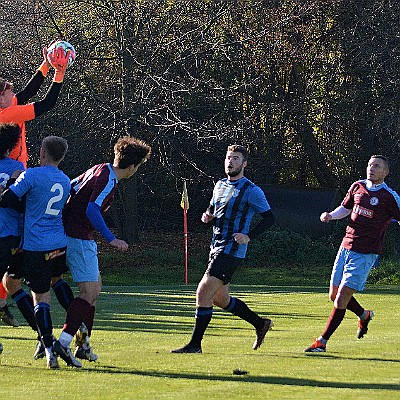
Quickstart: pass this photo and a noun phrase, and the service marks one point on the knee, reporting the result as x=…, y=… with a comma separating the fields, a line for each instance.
x=90, y=294
x=201, y=292
x=221, y=301
x=11, y=285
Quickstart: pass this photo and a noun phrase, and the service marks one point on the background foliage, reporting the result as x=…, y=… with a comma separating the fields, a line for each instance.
x=311, y=86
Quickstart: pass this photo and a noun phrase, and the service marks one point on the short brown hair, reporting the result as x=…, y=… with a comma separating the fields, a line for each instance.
x=130, y=151
x=237, y=148
x=56, y=147
x=383, y=158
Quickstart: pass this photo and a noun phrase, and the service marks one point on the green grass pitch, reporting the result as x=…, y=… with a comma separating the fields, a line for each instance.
x=136, y=328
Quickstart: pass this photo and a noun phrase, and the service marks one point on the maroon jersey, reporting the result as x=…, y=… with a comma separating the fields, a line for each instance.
x=372, y=209
x=96, y=185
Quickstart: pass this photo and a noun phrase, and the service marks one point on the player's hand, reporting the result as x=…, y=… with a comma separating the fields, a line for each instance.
x=241, y=238
x=325, y=217
x=45, y=58
x=45, y=65
x=206, y=217
x=119, y=244
x=58, y=58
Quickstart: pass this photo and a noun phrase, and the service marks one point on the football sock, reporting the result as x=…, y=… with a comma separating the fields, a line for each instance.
x=322, y=340
x=203, y=318
x=240, y=309
x=44, y=323
x=65, y=339
x=334, y=321
x=24, y=303
x=355, y=307
x=76, y=314
x=88, y=321
x=64, y=293
x=363, y=315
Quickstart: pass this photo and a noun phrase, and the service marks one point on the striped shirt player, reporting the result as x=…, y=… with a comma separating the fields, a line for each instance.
x=233, y=205
x=371, y=205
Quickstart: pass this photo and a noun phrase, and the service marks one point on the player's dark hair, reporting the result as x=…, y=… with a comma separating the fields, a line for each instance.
x=383, y=158
x=9, y=136
x=130, y=151
x=56, y=147
x=239, y=149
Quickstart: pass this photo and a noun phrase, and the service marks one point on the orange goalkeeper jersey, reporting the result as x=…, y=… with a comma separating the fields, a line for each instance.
x=18, y=114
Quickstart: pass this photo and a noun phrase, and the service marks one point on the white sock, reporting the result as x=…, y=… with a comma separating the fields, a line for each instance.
x=65, y=339
x=48, y=351
x=322, y=340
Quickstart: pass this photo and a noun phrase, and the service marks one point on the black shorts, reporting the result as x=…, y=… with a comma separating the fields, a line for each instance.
x=10, y=257
x=41, y=266
x=222, y=266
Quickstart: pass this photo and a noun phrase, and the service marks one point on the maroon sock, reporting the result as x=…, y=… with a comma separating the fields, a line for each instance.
x=77, y=312
x=88, y=321
x=355, y=306
x=334, y=321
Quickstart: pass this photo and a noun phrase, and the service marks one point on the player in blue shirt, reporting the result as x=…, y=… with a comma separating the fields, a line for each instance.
x=234, y=202
x=46, y=190
x=10, y=219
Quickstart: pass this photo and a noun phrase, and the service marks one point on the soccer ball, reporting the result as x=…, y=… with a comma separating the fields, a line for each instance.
x=66, y=46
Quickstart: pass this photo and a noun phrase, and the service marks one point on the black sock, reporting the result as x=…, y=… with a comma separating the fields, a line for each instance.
x=64, y=293
x=44, y=323
x=240, y=309
x=24, y=303
x=203, y=318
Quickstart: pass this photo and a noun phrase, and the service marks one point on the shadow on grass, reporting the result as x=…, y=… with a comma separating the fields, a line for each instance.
x=268, y=380
x=160, y=309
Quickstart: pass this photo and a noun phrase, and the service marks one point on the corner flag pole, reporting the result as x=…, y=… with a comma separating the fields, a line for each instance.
x=185, y=206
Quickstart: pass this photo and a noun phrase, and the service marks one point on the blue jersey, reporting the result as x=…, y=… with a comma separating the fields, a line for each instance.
x=233, y=206
x=47, y=189
x=10, y=219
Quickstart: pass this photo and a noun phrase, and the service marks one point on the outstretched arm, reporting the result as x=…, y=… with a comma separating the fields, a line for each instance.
x=35, y=82
x=59, y=61
x=93, y=213
x=338, y=213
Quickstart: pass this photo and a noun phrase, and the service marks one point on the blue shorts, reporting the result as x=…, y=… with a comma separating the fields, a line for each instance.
x=351, y=269
x=82, y=260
